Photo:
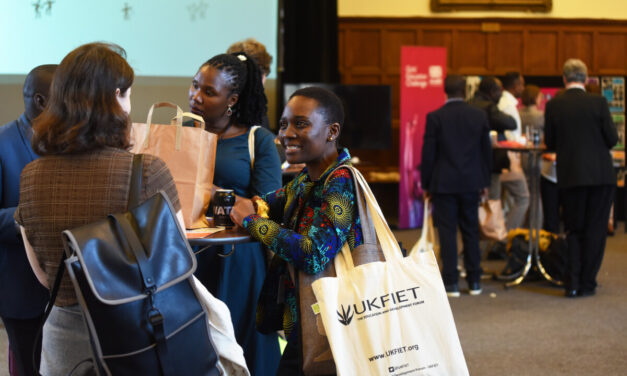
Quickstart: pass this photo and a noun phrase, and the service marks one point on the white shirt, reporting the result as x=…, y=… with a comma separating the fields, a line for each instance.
x=509, y=105
x=575, y=85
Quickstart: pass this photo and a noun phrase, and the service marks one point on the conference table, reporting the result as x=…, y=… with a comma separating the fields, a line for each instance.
x=534, y=154
x=223, y=236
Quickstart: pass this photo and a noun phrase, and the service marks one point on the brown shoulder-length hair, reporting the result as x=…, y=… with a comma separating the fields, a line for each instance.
x=83, y=113
x=529, y=95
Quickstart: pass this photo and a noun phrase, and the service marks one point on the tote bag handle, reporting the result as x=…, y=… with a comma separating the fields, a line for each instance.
x=191, y=116
x=179, y=122
x=428, y=231
x=371, y=216
x=425, y=248
x=251, y=145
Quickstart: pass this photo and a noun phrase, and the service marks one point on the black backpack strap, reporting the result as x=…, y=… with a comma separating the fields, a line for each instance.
x=53, y=297
x=125, y=225
x=135, y=187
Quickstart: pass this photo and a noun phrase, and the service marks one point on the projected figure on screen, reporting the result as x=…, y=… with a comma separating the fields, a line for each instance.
x=37, y=5
x=49, y=6
x=127, y=11
x=197, y=10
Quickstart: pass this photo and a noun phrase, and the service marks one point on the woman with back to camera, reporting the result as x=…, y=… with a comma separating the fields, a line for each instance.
x=318, y=206
x=228, y=93
x=82, y=176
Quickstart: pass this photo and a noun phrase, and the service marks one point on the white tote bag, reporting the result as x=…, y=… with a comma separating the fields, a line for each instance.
x=230, y=353
x=392, y=317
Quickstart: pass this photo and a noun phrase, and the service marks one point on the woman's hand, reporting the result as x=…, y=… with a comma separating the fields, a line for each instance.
x=242, y=209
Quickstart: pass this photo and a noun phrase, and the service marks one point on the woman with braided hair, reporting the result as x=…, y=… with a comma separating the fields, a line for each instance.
x=227, y=92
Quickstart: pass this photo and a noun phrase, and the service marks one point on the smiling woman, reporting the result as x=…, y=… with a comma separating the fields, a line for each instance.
x=311, y=217
x=309, y=139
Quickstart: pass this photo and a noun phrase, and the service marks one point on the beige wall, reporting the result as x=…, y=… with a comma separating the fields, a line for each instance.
x=610, y=9
x=11, y=102
x=146, y=91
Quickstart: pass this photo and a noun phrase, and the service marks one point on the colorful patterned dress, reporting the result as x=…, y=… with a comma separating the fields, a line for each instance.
x=318, y=219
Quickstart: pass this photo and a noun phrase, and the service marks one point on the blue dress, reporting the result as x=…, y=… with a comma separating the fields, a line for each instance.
x=237, y=279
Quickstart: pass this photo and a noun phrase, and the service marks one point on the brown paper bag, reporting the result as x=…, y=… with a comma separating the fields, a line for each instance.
x=190, y=155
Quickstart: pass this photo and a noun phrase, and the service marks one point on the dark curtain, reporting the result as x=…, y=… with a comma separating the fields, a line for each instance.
x=310, y=45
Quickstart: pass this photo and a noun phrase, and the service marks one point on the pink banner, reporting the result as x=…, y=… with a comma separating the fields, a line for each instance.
x=549, y=93
x=423, y=70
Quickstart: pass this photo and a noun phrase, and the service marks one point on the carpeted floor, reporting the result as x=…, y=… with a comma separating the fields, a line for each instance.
x=532, y=329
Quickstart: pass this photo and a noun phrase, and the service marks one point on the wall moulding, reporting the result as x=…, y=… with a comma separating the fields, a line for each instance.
x=513, y=5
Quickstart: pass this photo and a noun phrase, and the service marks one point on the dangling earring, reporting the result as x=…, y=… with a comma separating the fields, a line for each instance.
x=229, y=111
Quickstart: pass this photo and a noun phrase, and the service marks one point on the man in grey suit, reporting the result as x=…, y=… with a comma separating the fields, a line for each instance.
x=579, y=128
x=22, y=297
x=456, y=159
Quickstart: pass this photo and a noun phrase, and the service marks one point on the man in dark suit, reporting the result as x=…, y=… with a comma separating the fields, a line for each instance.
x=486, y=98
x=456, y=158
x=579, y=128
x=22, y=297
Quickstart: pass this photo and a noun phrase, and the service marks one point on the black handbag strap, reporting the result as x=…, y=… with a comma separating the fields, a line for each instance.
x=133, y=200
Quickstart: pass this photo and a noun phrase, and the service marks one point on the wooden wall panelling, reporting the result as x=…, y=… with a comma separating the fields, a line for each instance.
x=577, y=44
x=370, y=51
x=470, y=51
x=505, y=52
x=535, y=46
x=364, y=79
x=393, y=39
x=541, y=53
x=365, y=51
x=363, y=58
x=438, y=37
x=609, y=48
x=341, y=45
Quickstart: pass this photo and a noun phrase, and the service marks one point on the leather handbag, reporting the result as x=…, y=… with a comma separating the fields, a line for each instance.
x=133, y=277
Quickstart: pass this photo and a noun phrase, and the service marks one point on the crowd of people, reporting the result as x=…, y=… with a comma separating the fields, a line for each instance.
x=78, y=171
x=578, y=180
x=65, y=163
